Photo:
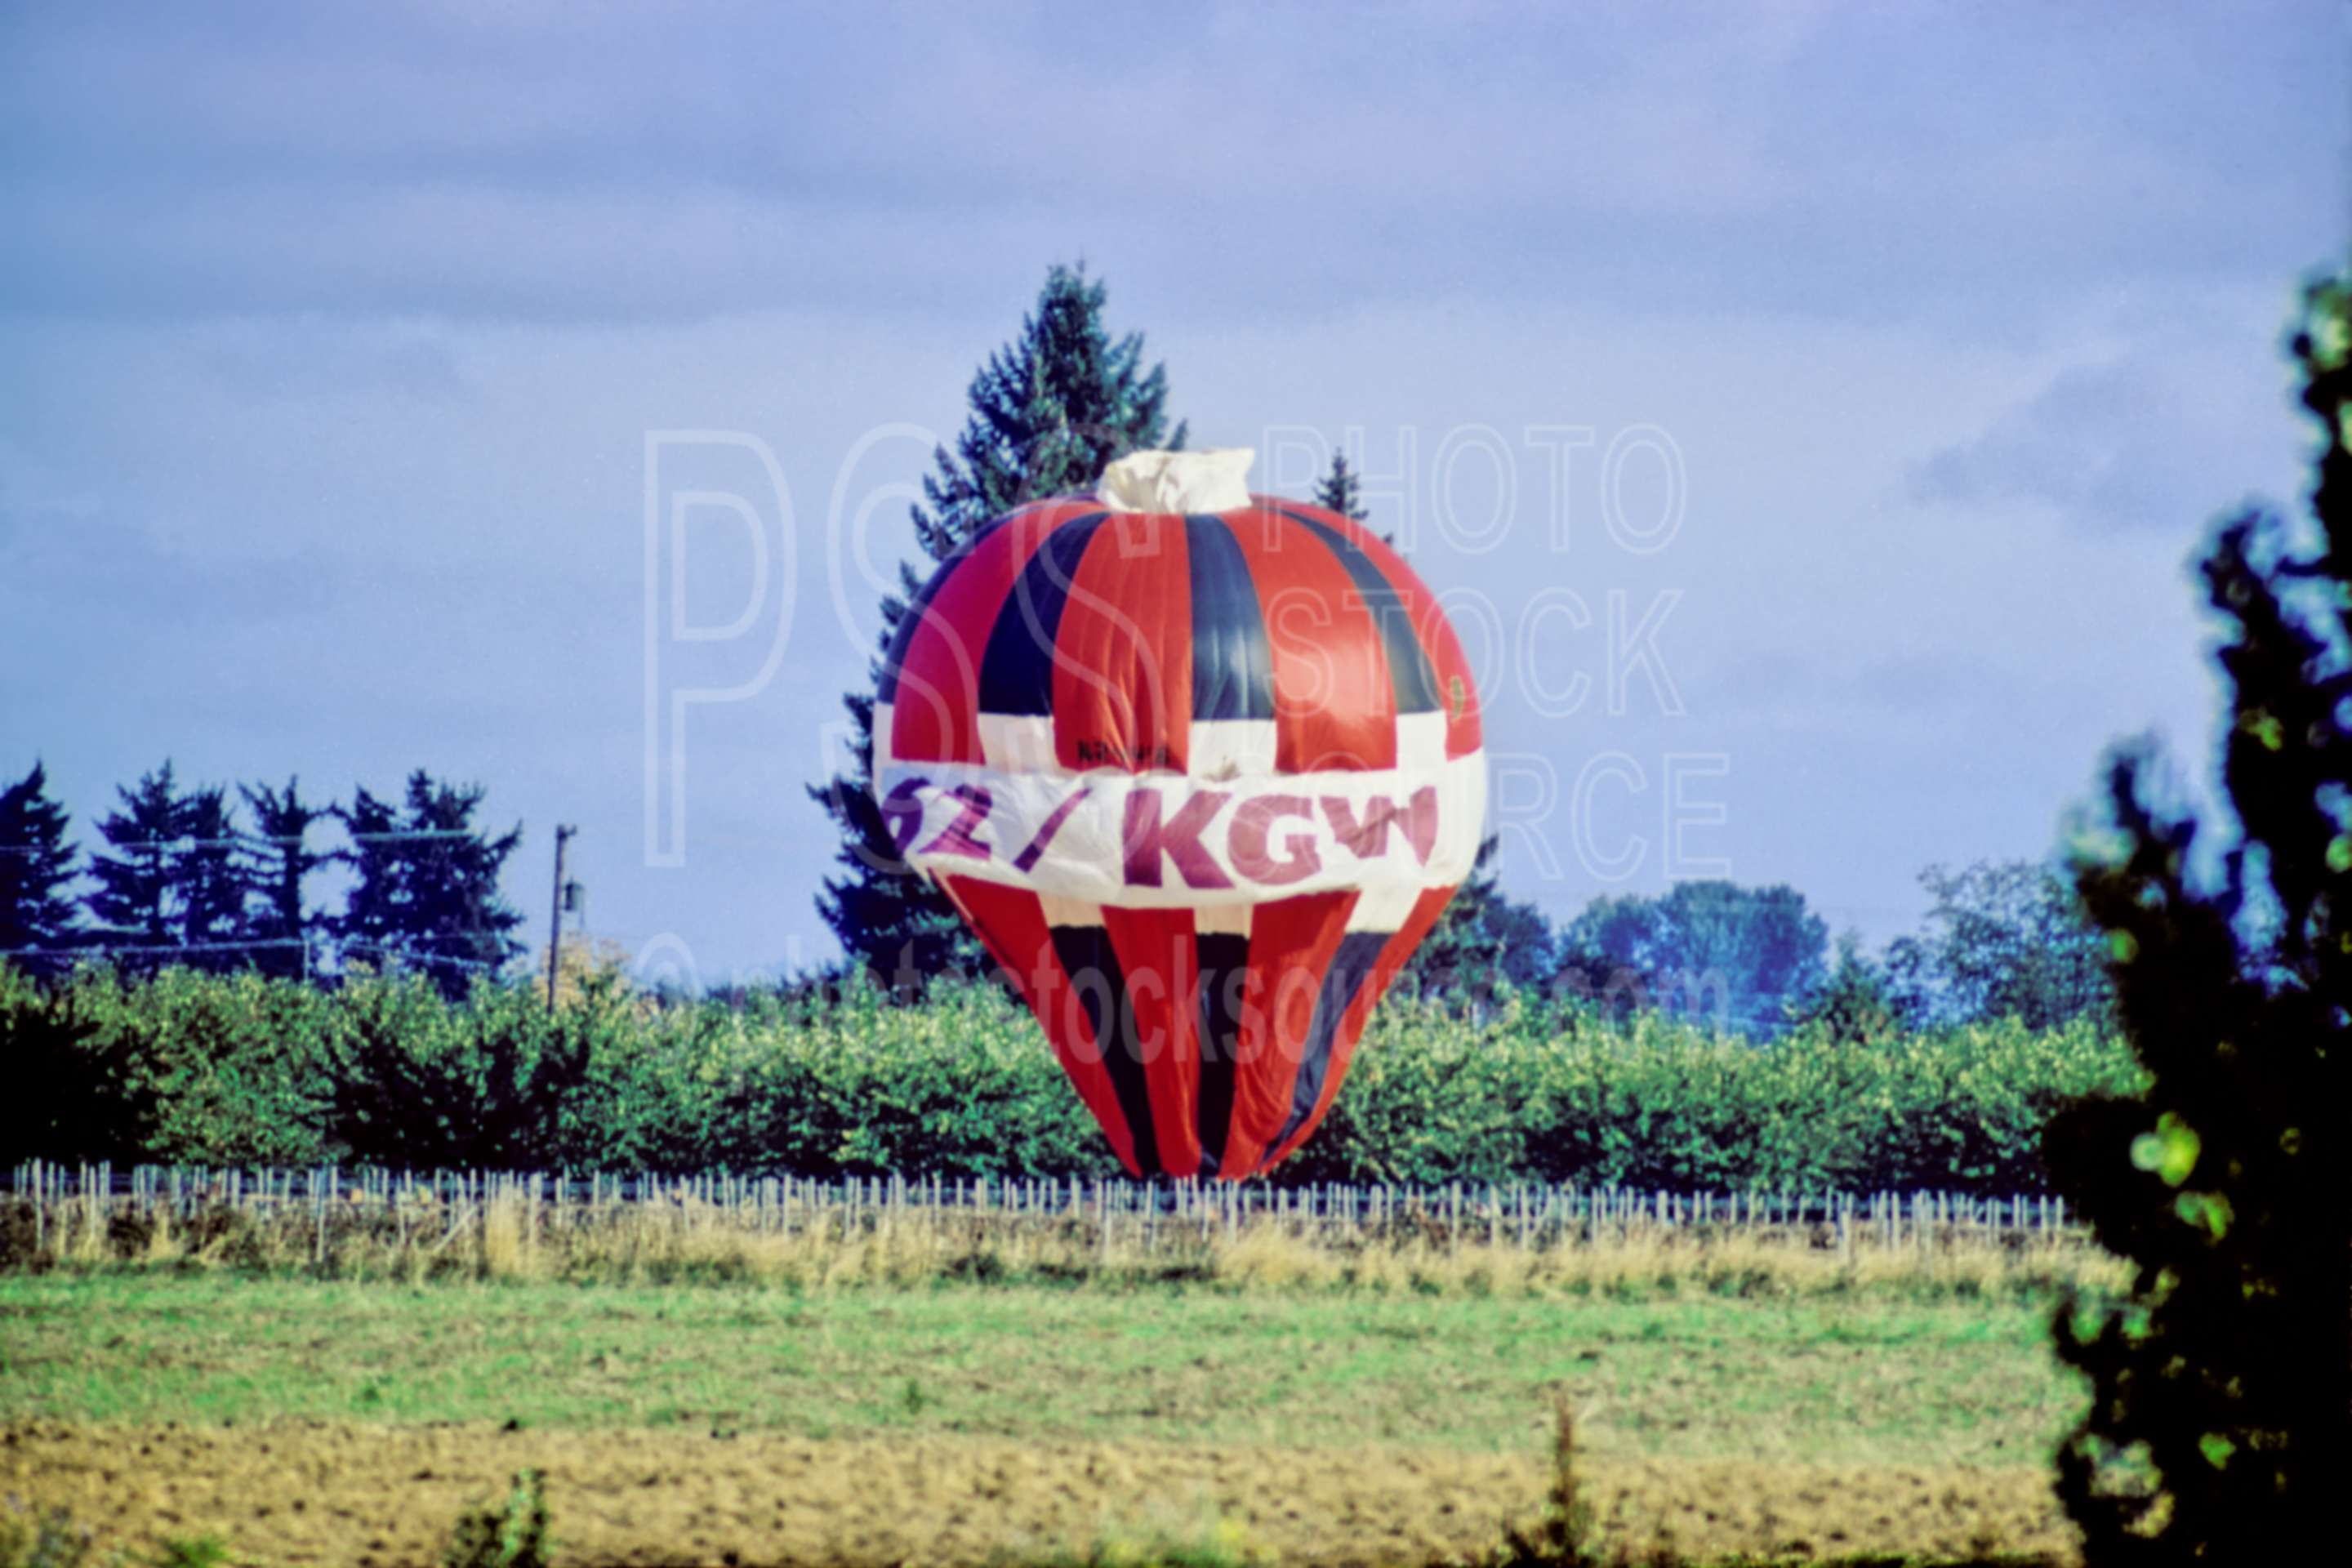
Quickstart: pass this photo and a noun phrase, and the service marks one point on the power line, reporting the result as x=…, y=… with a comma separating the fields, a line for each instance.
x=152, y=950
x=394, y=835
x=168, y=950
x=410, y=957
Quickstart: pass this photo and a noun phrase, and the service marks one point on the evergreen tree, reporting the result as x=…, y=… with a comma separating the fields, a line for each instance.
x=428, y=884
x=2222, y=1374
x=208, y=884
x=37, y=865
x=276, y=863
x=1049, y=410
x=457, y=911
x=1341, y=491
x=136, y=902
x=374, y=916
x=175, y=885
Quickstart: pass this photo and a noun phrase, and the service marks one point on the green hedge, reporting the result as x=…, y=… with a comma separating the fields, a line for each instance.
x=240, y=1070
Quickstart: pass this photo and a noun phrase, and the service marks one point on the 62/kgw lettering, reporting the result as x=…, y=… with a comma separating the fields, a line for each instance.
x=1271, y=839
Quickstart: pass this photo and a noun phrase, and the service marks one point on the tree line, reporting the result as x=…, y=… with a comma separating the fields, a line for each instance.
x=2001, y=939
x=193, y=876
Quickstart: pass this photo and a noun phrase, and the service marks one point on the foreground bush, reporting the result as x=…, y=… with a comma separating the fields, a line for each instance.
x=245, y=1070
x=2217, y=1428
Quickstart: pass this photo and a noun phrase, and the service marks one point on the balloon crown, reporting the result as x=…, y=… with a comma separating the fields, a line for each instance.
x=1214, y=481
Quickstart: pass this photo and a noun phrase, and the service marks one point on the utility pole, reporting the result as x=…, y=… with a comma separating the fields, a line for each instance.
x=564, y=833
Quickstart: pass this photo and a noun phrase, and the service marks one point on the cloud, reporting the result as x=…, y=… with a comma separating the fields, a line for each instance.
x=2133, y=443
x=619, y=165
x=91, y=572
x=417, y=361
x=1816, y=689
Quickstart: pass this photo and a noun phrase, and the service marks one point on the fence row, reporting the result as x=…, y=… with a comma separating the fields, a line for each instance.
x=1526, y=1214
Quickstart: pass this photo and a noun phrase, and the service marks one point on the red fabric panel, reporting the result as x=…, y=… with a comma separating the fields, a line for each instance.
x=1425, y=911
x=1333, y=704
x=1123, y=659
x=1157, y=957
x=934, y=720
x=1463, y=729
x=1011, y=923
x=1291, y=944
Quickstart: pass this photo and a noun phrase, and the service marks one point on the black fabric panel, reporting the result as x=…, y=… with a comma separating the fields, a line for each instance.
x=1410, y=676
x=1016, y=672
x=1223, y=961
x=886, y=688
x=1232, y=663
x=1358, y=952
x=1093, y=967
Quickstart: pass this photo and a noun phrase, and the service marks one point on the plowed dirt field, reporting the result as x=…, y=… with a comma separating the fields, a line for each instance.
x=297, y=1492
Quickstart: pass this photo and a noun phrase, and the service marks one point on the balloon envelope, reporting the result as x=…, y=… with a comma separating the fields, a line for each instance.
x=1201, y=783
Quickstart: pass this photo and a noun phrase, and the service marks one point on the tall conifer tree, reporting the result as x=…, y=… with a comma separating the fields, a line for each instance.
x=174, y=883
x=276, y=864
x=208, y=883
x=428, y=884
x=1049, y=410
x=1342, y=490
x=37, y=867
x=136, y=903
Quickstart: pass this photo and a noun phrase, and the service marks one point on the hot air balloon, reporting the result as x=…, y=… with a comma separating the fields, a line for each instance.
x=1201, y=768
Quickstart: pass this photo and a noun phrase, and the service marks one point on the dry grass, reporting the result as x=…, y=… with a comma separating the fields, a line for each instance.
x=510, y=1239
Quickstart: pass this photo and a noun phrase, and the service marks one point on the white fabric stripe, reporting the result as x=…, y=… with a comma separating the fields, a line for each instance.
x=1069, y=911
x=1231, y=748
x=1222, y=919
x=1460, y=834
x=1383, y=909
x=1018, y=743
x=1421, y=742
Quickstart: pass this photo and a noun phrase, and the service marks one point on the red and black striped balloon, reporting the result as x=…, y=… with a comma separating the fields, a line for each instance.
x=1201, y=783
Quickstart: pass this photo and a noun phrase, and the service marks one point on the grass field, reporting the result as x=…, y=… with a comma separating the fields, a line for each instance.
x=1408, y=1424
x=1857, y=1383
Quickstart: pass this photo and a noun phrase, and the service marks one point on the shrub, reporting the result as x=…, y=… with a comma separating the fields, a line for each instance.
x=513, y=1535
x=2219, y=1384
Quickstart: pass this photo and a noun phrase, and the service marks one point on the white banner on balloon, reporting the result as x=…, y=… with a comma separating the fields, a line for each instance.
x=1167, y=840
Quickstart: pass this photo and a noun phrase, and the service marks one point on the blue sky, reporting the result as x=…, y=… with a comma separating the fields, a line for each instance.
x=1895, y=356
